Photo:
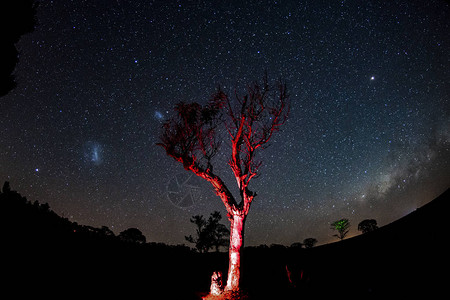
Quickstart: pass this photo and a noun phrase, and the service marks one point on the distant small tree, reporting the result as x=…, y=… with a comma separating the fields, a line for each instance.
x=342, y=227
x=367, y=225
x=210, y=233
x=132, y=235
x=6, y=187
x=309, y=242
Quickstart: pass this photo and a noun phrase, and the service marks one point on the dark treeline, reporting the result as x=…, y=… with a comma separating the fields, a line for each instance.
x=16, y=18
x=45, y=254
x=24, y=221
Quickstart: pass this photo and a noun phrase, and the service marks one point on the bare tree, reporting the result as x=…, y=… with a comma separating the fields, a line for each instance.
x=249, y=121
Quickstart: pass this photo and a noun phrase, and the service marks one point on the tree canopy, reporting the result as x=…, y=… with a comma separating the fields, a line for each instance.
x=210, y=233
x=367, y=225
x=132, y=235
x=342, y=227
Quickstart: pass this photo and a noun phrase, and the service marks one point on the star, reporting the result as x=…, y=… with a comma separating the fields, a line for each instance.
x=372, y=78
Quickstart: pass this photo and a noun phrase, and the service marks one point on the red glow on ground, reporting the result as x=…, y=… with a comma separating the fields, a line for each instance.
x=230, y=295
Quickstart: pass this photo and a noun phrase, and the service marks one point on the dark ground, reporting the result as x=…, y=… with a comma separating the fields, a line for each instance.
x=46, y=255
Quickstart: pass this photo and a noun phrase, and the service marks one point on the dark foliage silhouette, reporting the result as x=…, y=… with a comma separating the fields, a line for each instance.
x=209, y=233
x=82, y=259
x=16, y=19
x=309, y=242
x=367, y=225
x=202, y=240
x=132, y=235
x=6, y=187
x=106, y=232
x=46, y=224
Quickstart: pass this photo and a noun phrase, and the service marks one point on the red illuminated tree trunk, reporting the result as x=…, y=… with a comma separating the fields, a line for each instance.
x=236, y=246
x=193, y=138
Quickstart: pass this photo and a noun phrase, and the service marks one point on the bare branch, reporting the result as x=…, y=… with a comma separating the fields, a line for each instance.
x=191, y=137
x=262, y=111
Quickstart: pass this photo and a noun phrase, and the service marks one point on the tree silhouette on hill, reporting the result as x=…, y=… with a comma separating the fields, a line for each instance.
x=210, y=233
x=342, y=227
x=309, y=242
x=368, y=225
x=21, y=219
x=132, y=235
x=6, y=188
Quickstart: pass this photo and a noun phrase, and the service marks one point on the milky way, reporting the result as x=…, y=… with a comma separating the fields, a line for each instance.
x=367, y=136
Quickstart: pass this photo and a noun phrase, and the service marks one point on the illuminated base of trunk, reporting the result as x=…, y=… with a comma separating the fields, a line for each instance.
x=227, y=295
x=232, y=289
x=236, y=242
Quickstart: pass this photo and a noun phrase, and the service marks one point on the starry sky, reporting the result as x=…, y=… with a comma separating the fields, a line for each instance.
x=367, y=135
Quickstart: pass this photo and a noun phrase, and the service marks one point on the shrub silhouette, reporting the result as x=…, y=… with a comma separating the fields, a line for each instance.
x=132, y=235
x=309, y=242
x=367, y=225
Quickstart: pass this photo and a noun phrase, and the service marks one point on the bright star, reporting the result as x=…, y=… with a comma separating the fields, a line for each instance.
x=372, y=78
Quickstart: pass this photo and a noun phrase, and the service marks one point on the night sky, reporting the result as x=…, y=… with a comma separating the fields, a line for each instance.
x=368, y=133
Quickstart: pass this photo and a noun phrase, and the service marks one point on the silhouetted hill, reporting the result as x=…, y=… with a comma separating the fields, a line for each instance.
x=422, y=230
x=405, y=257
x=45, y=254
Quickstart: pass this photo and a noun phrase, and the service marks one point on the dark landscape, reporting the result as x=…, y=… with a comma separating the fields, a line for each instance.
x=44, y=254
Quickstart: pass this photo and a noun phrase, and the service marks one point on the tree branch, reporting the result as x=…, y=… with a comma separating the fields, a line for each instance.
x=191, y=138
